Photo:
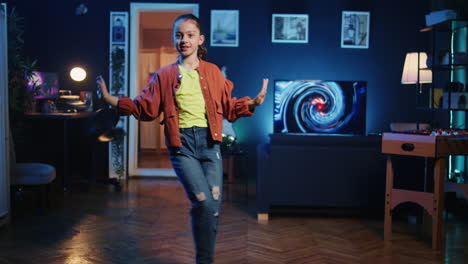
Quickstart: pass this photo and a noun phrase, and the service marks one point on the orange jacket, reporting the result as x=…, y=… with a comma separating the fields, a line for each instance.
x=158, y=97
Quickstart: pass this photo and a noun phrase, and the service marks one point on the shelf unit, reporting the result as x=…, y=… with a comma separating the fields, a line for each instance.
x=445, y=100
x=448, y=62
x=441, y=102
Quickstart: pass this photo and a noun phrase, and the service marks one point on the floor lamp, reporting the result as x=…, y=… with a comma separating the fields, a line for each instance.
x=415, y=71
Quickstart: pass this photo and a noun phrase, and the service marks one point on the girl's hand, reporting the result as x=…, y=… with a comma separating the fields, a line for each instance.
x=258, y=100
x=112, y=100
x=102, y=84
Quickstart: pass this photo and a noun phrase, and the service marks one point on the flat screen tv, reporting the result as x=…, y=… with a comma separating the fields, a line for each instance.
x=324, y=107
x=43, y=84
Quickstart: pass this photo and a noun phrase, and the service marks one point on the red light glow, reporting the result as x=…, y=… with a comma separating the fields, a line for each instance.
x=319, y=103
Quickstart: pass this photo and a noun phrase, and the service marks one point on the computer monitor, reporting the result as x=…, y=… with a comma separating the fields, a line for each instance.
x=43, y=84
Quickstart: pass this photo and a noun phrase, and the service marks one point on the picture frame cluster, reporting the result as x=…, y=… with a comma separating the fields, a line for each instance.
x=290, y=28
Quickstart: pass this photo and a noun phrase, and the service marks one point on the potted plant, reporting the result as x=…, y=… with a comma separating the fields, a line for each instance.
x=118, y=64
x=117, y=85
x=20, y=68
x=117, y=151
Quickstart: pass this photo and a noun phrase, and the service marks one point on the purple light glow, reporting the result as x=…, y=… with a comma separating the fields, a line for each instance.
x=43, y=84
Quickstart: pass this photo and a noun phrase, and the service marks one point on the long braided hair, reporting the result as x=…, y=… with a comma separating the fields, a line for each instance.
x=202, y=52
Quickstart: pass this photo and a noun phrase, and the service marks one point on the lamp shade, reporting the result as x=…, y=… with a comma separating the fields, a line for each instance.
x=411, y=67
x=78, y=74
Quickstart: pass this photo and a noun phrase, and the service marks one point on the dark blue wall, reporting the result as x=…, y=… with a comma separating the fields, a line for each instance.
x=59, y=39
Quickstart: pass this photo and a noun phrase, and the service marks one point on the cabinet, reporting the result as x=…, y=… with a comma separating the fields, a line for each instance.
x=320, y=171
x=444, y=102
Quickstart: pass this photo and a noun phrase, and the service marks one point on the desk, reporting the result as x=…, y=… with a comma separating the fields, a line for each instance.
x=65, y=117
x=435, y=147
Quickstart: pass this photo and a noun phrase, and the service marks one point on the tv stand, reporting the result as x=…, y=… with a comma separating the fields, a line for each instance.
x=320, y=171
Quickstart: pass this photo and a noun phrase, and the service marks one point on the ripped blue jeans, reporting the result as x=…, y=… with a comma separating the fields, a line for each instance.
x=198, y=166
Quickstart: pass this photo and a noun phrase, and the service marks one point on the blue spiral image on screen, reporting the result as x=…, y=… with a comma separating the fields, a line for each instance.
x=319, y=107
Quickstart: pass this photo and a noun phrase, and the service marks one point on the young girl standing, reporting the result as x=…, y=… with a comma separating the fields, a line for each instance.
x=194, y=97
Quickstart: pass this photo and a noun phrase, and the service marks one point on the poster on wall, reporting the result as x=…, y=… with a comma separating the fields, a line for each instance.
x=290, y=28
x=119, y=22
x=355, y=29
x=224, y=28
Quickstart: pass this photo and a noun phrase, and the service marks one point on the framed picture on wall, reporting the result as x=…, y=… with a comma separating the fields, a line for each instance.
x=290, y=28
x=119, y=21
x=224, y=28
x=355, y=29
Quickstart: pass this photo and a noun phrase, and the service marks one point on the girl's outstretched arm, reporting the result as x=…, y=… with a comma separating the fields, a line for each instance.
x=258, y=100
x=106, y=96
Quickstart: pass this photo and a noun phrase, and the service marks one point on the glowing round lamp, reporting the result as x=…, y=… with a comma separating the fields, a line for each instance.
x=78, y=74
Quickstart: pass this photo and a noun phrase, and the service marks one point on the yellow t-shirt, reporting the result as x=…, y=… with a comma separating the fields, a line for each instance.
x=190, y=100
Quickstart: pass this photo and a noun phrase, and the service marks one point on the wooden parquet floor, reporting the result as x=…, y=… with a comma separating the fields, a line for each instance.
x=148, y=222
x=154, y=159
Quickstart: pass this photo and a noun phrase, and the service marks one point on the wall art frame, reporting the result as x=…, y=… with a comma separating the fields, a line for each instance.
x=355, y=29
x=290, y=28
x=224, y=28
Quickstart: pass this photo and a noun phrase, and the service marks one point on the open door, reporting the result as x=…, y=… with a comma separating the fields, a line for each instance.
x=150, y=49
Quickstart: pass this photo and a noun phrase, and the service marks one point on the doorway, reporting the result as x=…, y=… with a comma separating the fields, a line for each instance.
x=4, y=148
x=151, y=48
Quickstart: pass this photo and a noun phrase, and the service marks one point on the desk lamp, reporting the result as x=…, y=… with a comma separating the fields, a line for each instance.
x=78, y=74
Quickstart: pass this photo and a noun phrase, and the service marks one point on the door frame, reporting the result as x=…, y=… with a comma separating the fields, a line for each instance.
x=4, y=123
x=135, y=9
